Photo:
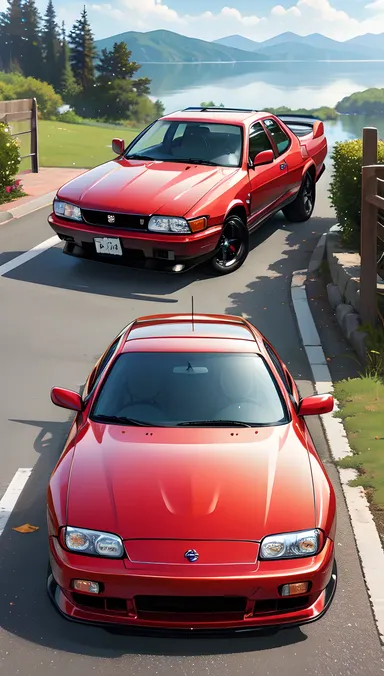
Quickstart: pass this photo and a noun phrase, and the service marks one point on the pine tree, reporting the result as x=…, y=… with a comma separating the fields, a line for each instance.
x=4, y=47
x=51, y=46
x=68, y=87
x=11, y=33
x=83, y=52
x=116, y=62
x=31, y=56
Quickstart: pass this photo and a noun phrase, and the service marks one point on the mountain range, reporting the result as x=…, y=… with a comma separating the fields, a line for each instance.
x=162, y=46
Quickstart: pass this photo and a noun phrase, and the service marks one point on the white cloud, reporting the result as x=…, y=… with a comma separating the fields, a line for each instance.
x=302, y=17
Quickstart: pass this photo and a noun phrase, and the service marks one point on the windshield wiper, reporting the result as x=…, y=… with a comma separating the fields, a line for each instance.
x=196, y=160
x=137, y=156
x=213, y=423
x=122, y=420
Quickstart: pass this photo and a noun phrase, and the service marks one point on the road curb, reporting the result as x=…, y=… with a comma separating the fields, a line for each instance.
x=367, y=538
x=28, y=207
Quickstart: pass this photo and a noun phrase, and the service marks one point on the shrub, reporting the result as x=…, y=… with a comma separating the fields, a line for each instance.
x=9, y=165
x=20, y=87
x=70, y=117
x=345, y=187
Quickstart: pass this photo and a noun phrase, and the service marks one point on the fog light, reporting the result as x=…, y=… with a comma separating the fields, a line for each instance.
x=86, y=586
x=294, y=589
x=178, y=268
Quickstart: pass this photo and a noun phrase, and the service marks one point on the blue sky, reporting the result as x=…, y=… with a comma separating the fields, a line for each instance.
x=211, y=19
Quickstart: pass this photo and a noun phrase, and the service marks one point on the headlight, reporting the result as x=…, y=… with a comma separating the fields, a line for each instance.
x=291, y=545
x=168, y=224
x=93, y=542
x=67, y=210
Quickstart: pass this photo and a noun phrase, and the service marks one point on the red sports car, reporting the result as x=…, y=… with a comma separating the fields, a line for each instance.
x=189, y=494
x=192, y=187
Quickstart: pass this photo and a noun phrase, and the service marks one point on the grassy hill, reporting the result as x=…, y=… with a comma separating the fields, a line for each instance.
x=163, y=46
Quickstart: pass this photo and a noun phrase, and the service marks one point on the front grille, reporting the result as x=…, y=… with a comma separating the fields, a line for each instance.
x=189, y=605
x=286, y=605
x=100, y=603
x=123, y=221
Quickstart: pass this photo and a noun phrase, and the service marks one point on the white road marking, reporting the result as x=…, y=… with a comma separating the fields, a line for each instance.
x=28, y=255
x=11, y=495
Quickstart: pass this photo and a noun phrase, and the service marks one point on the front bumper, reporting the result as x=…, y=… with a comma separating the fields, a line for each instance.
x=140, y=249
x=116, y=606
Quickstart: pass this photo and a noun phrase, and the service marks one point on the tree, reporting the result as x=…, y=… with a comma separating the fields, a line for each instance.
x=68, y=87
x=51, y=45
x=83, y=52
x=31, y=56
x=11, y=34
x=117, y=63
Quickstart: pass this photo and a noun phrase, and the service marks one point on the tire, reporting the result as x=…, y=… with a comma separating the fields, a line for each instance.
x=301, y=209
x=233, y=246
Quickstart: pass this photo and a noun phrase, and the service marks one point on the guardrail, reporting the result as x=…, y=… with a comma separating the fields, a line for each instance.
x=372, y=227
x=22, y=110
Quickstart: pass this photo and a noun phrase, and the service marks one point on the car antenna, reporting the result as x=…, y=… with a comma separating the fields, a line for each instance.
x=193, y=324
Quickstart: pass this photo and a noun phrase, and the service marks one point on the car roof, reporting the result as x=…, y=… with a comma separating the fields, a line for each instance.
x=193, y=326
x=212, y=115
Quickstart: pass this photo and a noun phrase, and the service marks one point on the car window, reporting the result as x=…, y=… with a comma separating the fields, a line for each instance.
x=278, y=367
x=99, y=369
x=180, y=388
x=279, y=136
x=199, y=142
x=258, y=140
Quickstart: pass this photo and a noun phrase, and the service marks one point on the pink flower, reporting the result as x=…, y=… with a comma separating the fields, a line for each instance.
x=17, y=183
x=8, y=189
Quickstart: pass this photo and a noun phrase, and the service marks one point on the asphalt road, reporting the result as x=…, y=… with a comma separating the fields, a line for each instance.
x=57, y=316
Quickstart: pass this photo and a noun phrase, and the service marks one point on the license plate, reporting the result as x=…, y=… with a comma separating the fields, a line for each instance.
x=108, y=245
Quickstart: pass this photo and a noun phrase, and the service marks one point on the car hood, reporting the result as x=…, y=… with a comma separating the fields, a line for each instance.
x=188, y=483
x=138, y=187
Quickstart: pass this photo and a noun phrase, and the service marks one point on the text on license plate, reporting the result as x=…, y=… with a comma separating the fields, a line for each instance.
x=108, y=245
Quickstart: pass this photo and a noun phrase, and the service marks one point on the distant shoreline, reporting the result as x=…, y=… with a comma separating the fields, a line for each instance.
x=195, y=63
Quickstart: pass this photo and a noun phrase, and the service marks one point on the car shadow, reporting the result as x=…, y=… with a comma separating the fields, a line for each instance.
x=55, y=269
x=26, y=611
x=267, y=302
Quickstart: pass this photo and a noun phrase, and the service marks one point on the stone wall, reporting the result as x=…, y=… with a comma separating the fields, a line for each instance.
x=344, y=290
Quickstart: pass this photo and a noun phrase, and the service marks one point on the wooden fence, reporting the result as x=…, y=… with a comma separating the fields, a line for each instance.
x=372, y=227
x=23, y=110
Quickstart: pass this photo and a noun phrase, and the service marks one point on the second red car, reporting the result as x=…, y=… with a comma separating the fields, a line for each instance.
x=192, y=187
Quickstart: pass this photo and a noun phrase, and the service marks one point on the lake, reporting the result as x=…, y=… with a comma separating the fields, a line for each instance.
x=260, y=85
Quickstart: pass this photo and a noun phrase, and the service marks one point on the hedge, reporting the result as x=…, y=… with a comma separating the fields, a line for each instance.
x=9, y=166
x=15, y=86
x=345, y=187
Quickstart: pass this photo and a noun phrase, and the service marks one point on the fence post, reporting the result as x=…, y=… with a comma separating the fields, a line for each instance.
x=34, y=138
x=368, y=266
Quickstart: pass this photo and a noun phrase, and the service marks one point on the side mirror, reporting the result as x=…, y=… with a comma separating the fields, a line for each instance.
x=118, y=146
x=66, y=399
x=316, y=405
x=318, y=129
x=265, y=157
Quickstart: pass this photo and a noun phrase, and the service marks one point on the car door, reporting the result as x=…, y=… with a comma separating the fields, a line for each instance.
x=282, y=147
x=263, y=180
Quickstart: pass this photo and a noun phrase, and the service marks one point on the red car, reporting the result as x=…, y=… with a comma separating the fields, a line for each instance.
x=192, y=187
x=189, y=494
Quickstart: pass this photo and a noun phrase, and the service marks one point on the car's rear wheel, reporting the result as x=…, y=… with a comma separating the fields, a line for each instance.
x=233, y=246
x=301, y=209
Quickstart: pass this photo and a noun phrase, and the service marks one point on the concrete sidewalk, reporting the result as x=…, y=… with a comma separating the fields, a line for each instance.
x=40, y=188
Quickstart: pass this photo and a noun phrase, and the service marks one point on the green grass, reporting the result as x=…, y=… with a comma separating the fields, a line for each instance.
x=362, y=410
x=77, y=145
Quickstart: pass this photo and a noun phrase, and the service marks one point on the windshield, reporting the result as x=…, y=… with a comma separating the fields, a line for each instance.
x=180, y=389
x=213, y=144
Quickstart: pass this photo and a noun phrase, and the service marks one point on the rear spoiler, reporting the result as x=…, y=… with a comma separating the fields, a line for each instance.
x=302, y=124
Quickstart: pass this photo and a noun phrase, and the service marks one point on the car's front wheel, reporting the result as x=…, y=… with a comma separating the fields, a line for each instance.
x=233, y=246
x=301, y=209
